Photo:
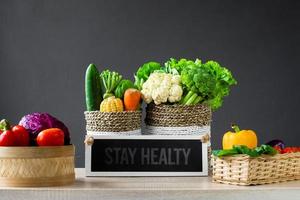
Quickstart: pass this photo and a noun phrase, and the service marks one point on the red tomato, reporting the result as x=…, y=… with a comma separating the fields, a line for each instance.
x=7, y=138
x=50, y=137
x=21, y=136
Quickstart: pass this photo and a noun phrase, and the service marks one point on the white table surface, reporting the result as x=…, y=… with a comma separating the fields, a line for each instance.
x=152, y=188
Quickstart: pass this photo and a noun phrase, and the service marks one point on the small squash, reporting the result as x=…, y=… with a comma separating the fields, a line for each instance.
x=111, y=104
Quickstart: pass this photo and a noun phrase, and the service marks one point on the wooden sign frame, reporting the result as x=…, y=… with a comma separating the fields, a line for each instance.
x=91, y=138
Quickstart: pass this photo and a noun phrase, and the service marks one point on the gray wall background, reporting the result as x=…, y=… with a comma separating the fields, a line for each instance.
x=45, y=47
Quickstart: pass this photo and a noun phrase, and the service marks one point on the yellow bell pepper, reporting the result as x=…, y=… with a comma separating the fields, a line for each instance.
x=239, y=137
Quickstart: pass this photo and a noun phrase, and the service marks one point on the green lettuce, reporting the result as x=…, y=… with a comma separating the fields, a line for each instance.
x=122, y=87
x=205, y=83
x=179, y=65
x=242, y=149
x=144, y=72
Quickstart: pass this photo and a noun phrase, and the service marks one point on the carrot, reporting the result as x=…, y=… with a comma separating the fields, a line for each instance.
x=132, y=99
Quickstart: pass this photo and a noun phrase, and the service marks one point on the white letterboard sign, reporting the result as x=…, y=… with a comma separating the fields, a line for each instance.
x=146, y=155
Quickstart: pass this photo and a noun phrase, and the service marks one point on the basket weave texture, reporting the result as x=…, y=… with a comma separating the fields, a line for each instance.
x=244, y=170
x=178, y=115
x=37, y=166
x=113, y=121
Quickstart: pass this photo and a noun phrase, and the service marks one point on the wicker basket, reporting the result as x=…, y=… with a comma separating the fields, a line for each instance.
x=244, y=170
x=178, y=119
x=37, y=166
x=127, y=122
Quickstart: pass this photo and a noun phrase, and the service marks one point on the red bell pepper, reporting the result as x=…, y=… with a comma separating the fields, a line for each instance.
x=15, y=136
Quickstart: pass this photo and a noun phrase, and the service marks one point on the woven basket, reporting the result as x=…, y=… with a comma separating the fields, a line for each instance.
x=244, y=170
x=178, y=119
x=37, y=166
x=178, y=115
x=113, y=122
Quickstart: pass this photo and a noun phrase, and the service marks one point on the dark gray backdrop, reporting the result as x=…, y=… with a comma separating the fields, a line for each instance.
x=45, y=47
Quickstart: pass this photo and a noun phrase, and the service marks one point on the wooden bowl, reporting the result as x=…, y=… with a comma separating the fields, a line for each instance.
x=37, y=166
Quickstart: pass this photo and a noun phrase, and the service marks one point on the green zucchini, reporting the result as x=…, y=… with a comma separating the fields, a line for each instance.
x=92, y=88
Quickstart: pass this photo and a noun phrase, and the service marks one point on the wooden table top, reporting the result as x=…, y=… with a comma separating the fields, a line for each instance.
x=126, y=188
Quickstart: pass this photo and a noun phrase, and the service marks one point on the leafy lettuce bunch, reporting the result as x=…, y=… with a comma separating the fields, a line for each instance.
x=203, y=82
x=144, y=72
x=178, y=65
x=242, y=149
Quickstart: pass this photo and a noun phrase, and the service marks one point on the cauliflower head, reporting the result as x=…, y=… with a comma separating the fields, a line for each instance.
x=162, y=88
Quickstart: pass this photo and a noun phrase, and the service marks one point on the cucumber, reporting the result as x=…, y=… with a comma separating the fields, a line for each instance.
x=92, y=88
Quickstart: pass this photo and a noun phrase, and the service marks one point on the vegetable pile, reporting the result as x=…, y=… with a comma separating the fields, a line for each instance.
x=181, y=81
x=245, y=142
x=184, y=82
x=109, y=92
x=40, y=129
x=280, y=146
x=36, y=122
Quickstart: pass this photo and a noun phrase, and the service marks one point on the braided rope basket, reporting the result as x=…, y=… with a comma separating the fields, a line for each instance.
x=125, y=122
x=244, y=170
x=37, y=166
x=178, y=115
x=178, y=119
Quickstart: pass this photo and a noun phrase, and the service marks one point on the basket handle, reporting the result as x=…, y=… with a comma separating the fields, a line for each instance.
x=89, y=140
x=205, y=138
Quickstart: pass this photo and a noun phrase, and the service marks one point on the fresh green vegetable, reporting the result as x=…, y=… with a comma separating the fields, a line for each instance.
x=122, y=87
x=225, y=152
x=266, y=149
x=204, y=83
x=178, y=65
x=92, y=88
x=242, y=149
x=144, y=72
x=4, y=124
x=109, y=80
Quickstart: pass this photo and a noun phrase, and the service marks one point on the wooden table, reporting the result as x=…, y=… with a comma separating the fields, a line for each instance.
x=152, y=188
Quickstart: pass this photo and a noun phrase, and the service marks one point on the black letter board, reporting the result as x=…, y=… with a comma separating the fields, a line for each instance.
x=146, y=155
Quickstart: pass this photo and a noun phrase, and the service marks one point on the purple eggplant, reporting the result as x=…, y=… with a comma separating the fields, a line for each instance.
x=276, y=142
